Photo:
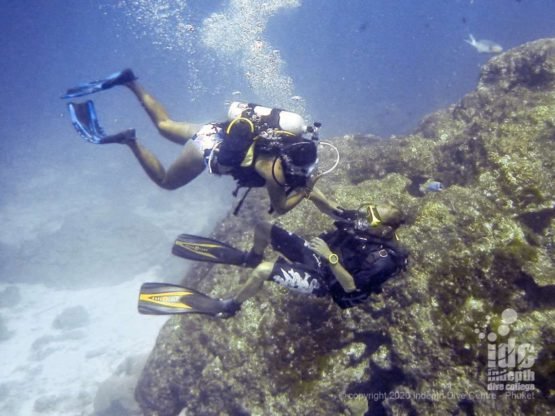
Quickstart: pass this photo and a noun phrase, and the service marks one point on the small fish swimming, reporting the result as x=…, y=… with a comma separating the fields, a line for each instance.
x=483, y=45
x=296, y=98
x=431, y=186
x=236, y=93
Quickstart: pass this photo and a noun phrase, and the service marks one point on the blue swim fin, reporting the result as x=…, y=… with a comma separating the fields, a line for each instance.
x=85, y=121
x=117, y=78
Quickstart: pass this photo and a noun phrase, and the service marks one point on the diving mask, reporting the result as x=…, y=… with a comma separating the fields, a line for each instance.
x=387, y=215
x=305, y=171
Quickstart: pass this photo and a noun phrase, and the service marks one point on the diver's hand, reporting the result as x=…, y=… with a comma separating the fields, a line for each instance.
x=320, y=247
x=311, y=181
x=332, y=205
x=343, y=214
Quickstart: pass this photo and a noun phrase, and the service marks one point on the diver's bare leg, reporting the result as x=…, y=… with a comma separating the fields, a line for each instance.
x=183, y=170
x=177, y=132
x=262, y=237
x=257, y=278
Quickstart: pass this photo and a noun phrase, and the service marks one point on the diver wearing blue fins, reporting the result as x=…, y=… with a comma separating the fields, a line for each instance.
x=258, y=146
x=347, y=264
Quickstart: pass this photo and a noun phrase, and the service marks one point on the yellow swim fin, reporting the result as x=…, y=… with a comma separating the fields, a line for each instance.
x=193, y=247
x=170, y=299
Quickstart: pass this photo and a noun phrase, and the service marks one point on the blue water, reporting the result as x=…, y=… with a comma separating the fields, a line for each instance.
x=359, y=66
x=78, y=215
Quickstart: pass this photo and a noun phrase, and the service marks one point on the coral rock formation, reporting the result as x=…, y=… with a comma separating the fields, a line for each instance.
x=481, y=246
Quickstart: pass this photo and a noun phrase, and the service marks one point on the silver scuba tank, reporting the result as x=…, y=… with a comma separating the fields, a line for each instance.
x=268, y=118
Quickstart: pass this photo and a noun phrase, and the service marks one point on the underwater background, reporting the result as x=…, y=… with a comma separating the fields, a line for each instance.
x=82, y=226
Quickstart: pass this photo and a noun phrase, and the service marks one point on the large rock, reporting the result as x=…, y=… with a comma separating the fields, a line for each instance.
x=115, y=395
x=482, y=250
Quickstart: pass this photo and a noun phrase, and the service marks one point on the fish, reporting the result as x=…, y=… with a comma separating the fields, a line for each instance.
x=483, y=45
x=431, y=186
x=296, y=98
x=236, y=93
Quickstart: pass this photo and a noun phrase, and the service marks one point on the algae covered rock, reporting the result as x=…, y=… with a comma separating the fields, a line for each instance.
x=115, y=395
x=467, y=329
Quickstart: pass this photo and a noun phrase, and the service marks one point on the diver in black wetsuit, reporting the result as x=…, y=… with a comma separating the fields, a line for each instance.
x=348, y=263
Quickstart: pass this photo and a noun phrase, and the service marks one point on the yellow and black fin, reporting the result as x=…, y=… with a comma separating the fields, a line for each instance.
x=198, y=248
x=169, y=299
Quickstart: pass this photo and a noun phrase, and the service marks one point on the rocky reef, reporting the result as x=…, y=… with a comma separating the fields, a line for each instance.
x=480, y=286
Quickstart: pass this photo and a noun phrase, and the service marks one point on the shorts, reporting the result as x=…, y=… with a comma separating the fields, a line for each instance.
x=206, y=139
x=303, y=273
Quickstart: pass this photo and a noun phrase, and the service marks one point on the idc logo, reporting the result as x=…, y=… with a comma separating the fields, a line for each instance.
x=509, y=361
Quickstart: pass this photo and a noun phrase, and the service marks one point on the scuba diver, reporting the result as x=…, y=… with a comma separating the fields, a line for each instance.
x=258, y=146
x=347, y=263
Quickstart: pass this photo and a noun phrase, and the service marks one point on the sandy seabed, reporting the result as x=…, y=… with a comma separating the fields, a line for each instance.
x=49, y=371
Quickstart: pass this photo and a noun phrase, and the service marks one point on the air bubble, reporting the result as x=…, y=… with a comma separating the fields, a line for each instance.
x=503, y=330
x=508, y=316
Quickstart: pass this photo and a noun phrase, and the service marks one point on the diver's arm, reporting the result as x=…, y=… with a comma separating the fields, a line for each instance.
x=280, y=201
x=283, y=203
x=325, y=205
x=344, y=278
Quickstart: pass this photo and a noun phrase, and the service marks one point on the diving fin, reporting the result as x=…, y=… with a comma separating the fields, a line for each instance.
x=117, y=78
x=198, y=248
x=170, y=299
x=85, y=121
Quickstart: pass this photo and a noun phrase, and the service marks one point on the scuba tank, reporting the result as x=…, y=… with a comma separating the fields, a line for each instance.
x=268, y=118
x=271, y=131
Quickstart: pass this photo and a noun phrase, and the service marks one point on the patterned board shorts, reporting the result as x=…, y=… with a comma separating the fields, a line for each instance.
x=206, y=139
x=302, y=272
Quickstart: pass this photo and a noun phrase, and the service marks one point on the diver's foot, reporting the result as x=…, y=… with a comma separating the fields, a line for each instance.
x=252, y=259
x=123, y=137
x=119, y=78
x=229, y=308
